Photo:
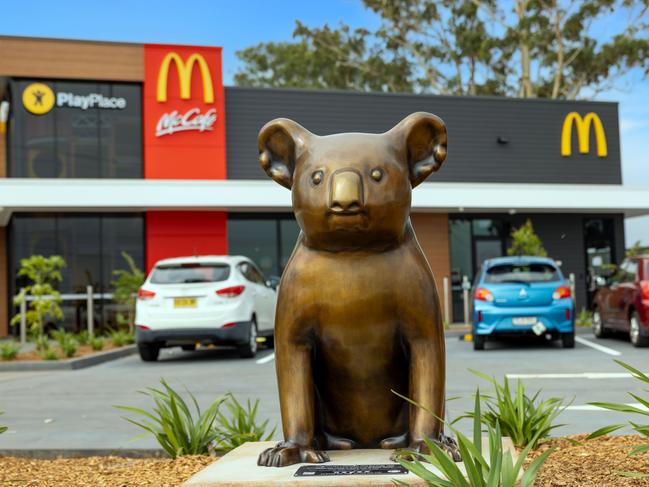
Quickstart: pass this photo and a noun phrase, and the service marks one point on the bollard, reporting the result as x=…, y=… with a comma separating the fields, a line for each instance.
x=447, y=313
x=23, y=321
x=89, y=314
x=573, y=287
x=466, y=286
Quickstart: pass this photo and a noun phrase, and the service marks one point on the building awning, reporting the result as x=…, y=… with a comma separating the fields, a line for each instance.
x=116, y=195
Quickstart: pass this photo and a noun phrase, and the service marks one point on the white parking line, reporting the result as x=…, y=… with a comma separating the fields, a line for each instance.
x=589, y=407
x=266, y=359
x=597, y=346
x=578, y=375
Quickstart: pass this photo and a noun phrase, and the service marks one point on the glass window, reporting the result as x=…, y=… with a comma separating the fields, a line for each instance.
x=289, y=231
x=522, y=273
x=461, y=250
x=257, y=240
x=486, y=227
x=190, y=273
x=631, y=271
x=75, y=142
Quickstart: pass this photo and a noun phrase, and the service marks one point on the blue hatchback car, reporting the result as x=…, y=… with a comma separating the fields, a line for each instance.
x=522, y=296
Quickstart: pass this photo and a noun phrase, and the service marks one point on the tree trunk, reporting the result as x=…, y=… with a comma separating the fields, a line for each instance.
x=526, y=89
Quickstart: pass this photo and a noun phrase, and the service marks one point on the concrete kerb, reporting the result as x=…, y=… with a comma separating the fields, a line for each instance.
x=53, y=453
x=68, y=364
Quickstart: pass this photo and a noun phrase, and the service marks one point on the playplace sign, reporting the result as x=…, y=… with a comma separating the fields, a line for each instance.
x=184, y=119
x=39, y=98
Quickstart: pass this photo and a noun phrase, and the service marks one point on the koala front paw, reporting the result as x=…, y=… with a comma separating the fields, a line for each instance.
x=288, y=453
x=446, y=443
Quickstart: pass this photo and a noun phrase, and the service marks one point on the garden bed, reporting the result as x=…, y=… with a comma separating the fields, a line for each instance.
x=82, y=351
x=575, y=462
x=76, y=362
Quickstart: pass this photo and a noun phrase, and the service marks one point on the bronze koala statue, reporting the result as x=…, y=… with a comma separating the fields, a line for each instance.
x=358, y=312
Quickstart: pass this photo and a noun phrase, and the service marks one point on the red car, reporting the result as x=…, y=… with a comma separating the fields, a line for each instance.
x=622, y=302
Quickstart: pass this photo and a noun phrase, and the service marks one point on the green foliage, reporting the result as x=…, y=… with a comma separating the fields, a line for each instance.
x=2, y=428
x=526, y=242
x=121, y=338
x=240, y=425
x=43, y=273
x=97, y=343
x=49, y=354
x=635, y=250
x=177, y=430
x=525, y=419
x=42, y=343
x=584, y=318
x=9, y=350
x=83, y=337
x=126, y=284
x=522, y=48
x=640, y=428
x=499, y=471
x=66, y=341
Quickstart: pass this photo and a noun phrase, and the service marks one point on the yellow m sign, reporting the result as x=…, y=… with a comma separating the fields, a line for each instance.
x=583, y=134
x=184, y=77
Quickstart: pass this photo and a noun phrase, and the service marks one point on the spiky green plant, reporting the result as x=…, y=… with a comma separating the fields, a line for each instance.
x=2, y=428
x=240, y=425
x=9, y=350
x=97, y=343
x=177, y=430
x=497, y=469
x=525, y=419
x=643, y=411
x=121, y=338
x=49, y=354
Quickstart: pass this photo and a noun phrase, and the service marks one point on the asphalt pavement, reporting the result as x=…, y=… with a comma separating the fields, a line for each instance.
x=74, y=409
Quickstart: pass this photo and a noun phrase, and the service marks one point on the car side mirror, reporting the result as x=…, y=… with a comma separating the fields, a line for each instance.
x=272, y=282
x=601, y=281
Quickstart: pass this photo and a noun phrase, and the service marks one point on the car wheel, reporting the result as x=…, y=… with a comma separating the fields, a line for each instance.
x=270, y=341
x=249, y=349
x=568, y=339
x=599, y=330
x=148, y=353
x=639, y=336
x=479, y=342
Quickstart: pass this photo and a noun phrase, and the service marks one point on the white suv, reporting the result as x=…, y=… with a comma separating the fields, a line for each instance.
x=208, y=299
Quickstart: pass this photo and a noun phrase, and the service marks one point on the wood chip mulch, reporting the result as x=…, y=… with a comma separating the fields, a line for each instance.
x=596, y=463
x=82, y=351
x=100, y=471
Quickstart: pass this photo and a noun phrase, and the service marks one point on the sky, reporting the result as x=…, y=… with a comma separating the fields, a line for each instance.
x=235, y=25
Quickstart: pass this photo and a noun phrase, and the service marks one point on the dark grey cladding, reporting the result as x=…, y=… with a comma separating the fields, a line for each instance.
x=530, y=130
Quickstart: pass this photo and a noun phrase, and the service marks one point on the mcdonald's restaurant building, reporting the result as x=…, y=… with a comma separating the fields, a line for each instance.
x=108, y=148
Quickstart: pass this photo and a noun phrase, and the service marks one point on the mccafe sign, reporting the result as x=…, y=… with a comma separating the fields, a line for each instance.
x=184, y=113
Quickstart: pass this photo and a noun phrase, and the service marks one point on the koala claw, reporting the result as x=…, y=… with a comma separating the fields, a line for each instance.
x=288, y=453
x=446, y=443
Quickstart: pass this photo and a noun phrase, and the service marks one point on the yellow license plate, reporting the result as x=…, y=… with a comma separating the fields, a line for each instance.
x=184, y=302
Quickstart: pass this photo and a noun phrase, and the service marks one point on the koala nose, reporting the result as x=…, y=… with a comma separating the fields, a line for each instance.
x=346, y=192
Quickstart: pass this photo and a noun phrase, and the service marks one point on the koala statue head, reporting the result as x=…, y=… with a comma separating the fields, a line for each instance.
x=352, y=191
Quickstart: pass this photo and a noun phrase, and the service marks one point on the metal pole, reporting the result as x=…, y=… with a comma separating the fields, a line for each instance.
x=465, y=296
x=447, y=313
x=89, y=314
x=23, y=322
x=571, y=278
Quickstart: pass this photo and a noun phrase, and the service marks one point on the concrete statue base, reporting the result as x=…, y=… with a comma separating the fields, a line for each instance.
x=239, y=468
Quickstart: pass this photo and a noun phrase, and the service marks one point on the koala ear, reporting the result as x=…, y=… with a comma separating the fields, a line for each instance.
x=423, y=138
x=281, y=142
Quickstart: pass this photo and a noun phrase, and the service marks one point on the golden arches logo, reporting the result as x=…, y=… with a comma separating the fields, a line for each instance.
x=583, y=134
x=184, y=77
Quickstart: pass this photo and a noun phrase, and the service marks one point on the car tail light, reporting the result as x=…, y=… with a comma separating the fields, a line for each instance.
x=644, y=286
x=230, y=292
x=145, y=294
x=143, y=328
x=482, y=294
x=561, y=292
x=229, y=325
x=567, y=313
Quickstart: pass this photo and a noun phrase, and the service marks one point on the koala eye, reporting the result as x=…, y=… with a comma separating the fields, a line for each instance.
x=377, y=174
x=316, y=177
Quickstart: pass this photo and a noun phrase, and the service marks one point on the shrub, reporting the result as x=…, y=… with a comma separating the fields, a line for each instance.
x=97, y=343
x=240, y=426
x=42, y=343
x=526, y=242
x=49, y=354
x=584, y=318
x=66, y=342
x=499, y=471
x=524, y=419
x=121, y=338
x=126, y=284
x=642, y=429
x=83, y=337
x=176, y=429
x=9, y=350
x=43, y=272
x=2, y=428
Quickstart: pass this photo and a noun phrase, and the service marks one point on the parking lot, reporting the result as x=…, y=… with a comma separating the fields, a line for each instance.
x=74, y=409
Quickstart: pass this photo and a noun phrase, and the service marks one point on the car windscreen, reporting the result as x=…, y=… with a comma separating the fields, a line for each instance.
x=189, y=273
x=522, y=273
